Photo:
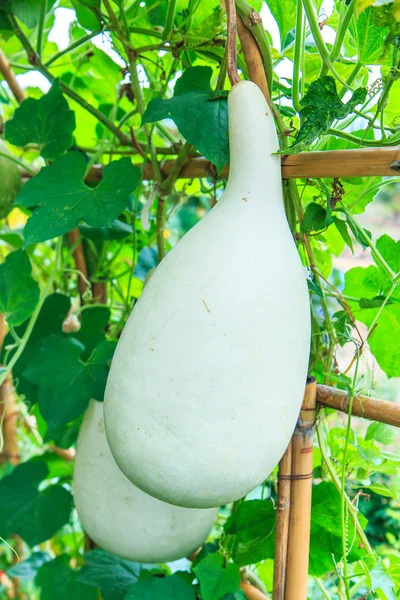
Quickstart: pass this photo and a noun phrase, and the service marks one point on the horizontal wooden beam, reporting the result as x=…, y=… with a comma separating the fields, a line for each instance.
x=365, y=162
x=363, y=406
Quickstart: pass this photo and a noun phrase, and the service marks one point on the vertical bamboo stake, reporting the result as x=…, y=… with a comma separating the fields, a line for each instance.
x=301, y=488
x=282, y=523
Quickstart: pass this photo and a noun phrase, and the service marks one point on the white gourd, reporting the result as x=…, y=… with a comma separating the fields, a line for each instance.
x=121, y=518
x=208, y=377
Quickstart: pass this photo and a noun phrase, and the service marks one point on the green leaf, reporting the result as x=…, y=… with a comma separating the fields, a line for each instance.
x=113, y=575
x=196, y=79
x=285, y=16
x=369, y=39
x=28, y=568
x=341, y=226
x=57, y=580
x=363, y=282
x=88, y=13
x=382, y=433
x=320, y=107
x=48, y=122
x=252, y=524
x=314, y=218
x=371, y=284
x=390, y=250
x=62, y=199
x=167, y=588
x=379, y=578
x=215, y=580
x=50, y=320
x=118, y=231
x=19, y=292
x=200, y=114
x=34, y=515
x=13, y=238
x=326, y=532
x=67, y=383
x=381, y=339
x=92, y=331
x=147, y=261
x=28, y=11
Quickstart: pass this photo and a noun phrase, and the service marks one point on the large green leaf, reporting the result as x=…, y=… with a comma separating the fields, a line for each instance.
x=379, y=578
x=67, y=383
x=19, y=292
x=167, y=588
x=371, y=284
x=326, y=532
x=252, y=524
x=113, y=575
x=48, y=122
x=320, y=107
x=62, y=199
x=368, y=37
x=58, y=581
x=200, y=114
x=34, y=515
x=216, y=580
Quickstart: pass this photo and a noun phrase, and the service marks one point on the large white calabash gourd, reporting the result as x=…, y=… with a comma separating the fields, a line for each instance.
x=121, y=518
x=208, y=378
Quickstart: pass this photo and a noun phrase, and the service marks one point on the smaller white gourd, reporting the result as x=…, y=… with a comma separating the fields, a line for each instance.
x=118, y=516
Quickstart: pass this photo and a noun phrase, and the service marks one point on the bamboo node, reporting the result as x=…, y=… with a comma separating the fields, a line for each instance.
x=297, y=477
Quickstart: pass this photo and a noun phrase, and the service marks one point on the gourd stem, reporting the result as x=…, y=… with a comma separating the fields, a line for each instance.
x=231, y=43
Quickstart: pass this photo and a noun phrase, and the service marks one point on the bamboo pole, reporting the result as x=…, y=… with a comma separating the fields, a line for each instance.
x=282, y=523
x=363, y=406
x=301, y=488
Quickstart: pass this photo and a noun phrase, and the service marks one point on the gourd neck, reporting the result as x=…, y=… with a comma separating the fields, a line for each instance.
x=253, y=142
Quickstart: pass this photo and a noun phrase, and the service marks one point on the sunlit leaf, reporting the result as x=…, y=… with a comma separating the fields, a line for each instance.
x=48, y=122
x=62, y=199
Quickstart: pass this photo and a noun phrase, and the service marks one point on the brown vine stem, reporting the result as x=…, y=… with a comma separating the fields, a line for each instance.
x=79, y=259
x=231, y=43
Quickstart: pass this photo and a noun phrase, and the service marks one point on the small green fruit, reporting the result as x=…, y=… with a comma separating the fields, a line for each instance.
x=10, y=181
